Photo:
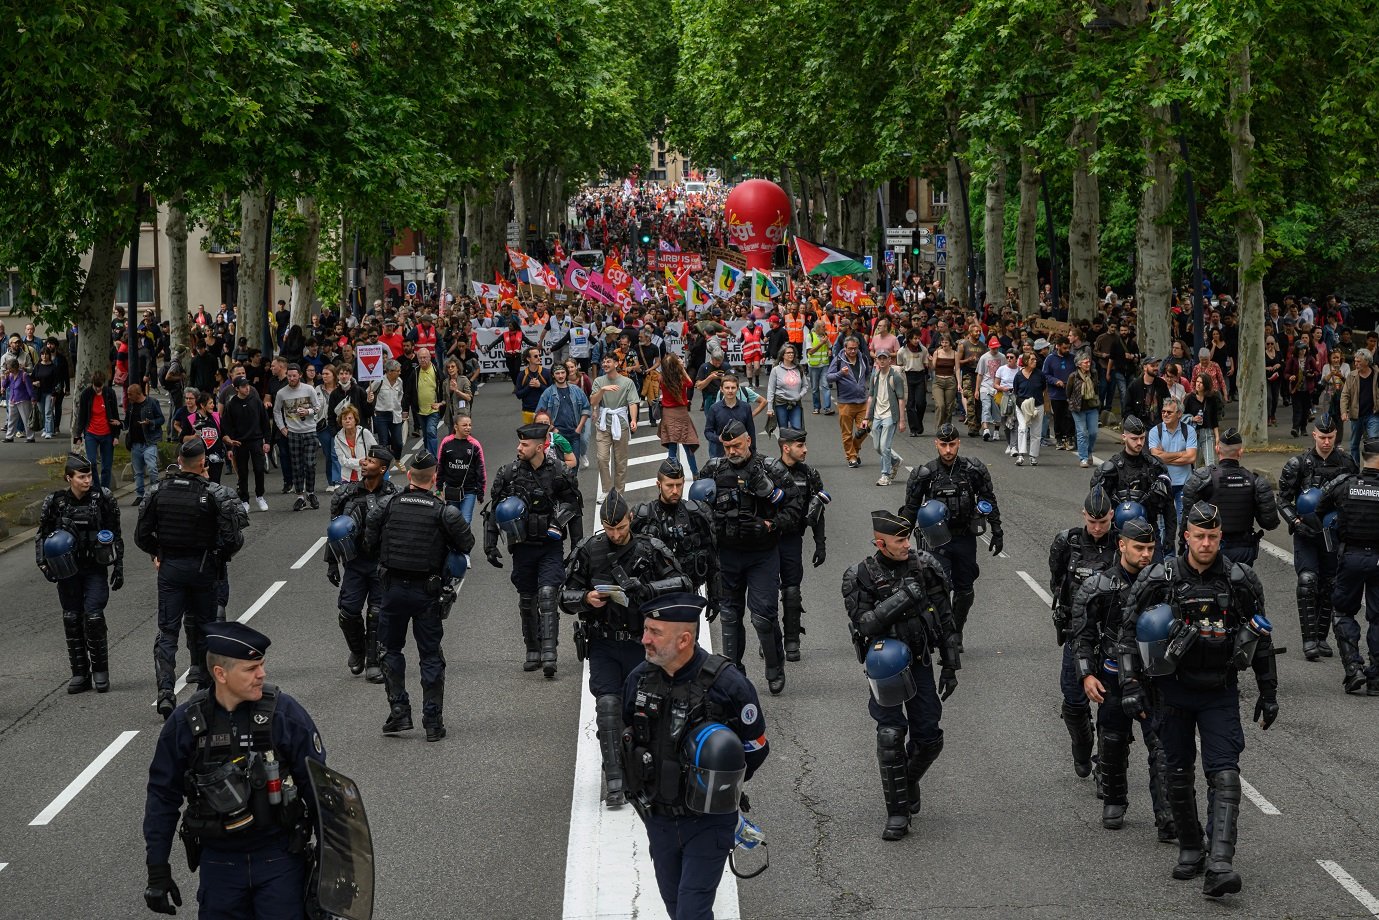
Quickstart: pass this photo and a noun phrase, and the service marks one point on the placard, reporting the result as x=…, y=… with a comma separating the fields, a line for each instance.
x=369, y=359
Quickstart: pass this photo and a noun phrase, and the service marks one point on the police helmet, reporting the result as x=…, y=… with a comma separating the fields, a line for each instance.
x=456, y=564
x=60, y=553
x=703, y=490
x=888, y=672
x=931, y=520
x=715, y=765
x=340, y=538
x=511, y=515
x=1127, y=511
x=1153, y=633
x=1308, y=501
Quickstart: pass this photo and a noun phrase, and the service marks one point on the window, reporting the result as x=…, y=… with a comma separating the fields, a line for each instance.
x=9, y=292
x=938, y=197
x=145, y=287
x=658, y=175
x=661, y=159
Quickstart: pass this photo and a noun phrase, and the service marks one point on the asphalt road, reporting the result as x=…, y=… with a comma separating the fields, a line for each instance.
x=478, y=825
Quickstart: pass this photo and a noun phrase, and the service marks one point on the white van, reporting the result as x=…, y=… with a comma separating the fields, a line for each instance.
x=696, y=188
x=591, y=259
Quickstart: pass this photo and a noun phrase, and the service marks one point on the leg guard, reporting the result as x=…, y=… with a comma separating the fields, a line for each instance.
x=1324, y=615
x=1225, y=809
x=609, y=720
x=792, y=605
x=97, y=646
x=433, y=709
x=547, y=598
x=734, y=633
x=921, y=758
x=356, y=638
x=772, y=647
x=895, y=784
x=1349, y=650
x=962, y=606
x=196, y=648
x=1113, y=750
x=531, y=631
x=76, y=651
x=1078, y=719
x=1182, y=799
x=373, y=672
x=1158, y=788
x=1307, y=614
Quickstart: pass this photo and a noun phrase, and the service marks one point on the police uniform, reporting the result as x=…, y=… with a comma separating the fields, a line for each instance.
x=688, y=849
x=809, y=498
x=553, y=504
x=750, y=512
x=358, y=578
x=414, y=532
x=93, y=521
x=1094, y=633
x=1355, y=499
x=1128, y=477
x=193, y=527
x=1313, y=562
x=687, y=528
x=249, y=840
x=1243, y=498
x=1073, y=558
x=610, y=637
x=961, y=486
x=906, y=600
x=1213, y=613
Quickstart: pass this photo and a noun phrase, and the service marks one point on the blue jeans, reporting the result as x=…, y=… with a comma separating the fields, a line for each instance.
x=883, y=432
x=144, y=458
x=387, y=426
x=429, y=428
x=466, y=506
x=100, y=450
x=327, y=440
x=818, y=388
x=1086, y=421
x=1117, y=385
x=673, y=453
x=790, y=416
x=1370, y=427
x=50, y=415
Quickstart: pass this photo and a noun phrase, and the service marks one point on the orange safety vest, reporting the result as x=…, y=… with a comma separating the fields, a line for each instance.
x=794, y=327
x=830, y=329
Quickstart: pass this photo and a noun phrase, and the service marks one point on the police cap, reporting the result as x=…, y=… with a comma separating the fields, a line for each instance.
x=536, y=431
x=676, y=607
x=424, y=460
x=232, y=639
x=76, y=463
x=1203, y=514
x=890, y=524
x=1131, y=424
x=614, y=508
x=1325, y=424
x=1097, y=504
x=1232, y=436
x=734, y=429
x=669, y=469
x=378, y=452
x=1137, y=530
x=790, y=435
x=947, y=433
x=192, y=449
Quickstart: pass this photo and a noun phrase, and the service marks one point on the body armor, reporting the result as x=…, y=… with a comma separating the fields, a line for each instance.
x=662, y=713
x=357, y=501
x=185, y=515
x=1358, y=508
x=686, y=528
x=413, y=542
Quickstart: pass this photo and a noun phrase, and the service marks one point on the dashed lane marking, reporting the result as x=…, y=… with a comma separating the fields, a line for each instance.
x=1034, y=586
x=1357, y=891
x=244, y=617
x=306, y=556
x=75, y=786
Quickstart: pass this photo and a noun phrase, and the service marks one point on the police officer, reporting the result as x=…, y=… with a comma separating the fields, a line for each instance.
x=681, y=693
x=191, y=527
x=809, y=499
x=1219, y=630
x=85, y=521
x=964, y=486
x=226, y=750
x=1313, y=561
x=686, y=526
x=1094, y=634
x=1076, y=554
x=1133, y=475
x=414, y=532
x=750, y=512
x=609, y=633
x=1355, y=499
x=550, y=504
x=353, y=568
x=900, y=592
x=1243, y=498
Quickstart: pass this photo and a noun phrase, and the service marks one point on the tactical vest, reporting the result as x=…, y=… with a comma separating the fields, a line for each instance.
x=81, y=517
x=735, y=502
x=614, y=618
x=1359, y=512
x=530, y=486
x=1086, y=557
x=1208, y=607
x=922, y=633
x=1318, y=472
x=661, y=714
x=1134, y=478
x=413, y=543
x=679, y=528
x=1111, y=588
x=953, y=488
x=1233, y=493
x=803, y=478
x=186, y=516
x=359, y=501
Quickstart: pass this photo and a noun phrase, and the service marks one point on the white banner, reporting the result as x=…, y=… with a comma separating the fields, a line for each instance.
x=370, y=362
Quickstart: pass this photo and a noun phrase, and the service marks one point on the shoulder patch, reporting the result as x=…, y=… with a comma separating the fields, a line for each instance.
x=750, y=714
x=316, y=742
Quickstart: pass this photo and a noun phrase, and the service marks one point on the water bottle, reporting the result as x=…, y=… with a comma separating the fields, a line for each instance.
x=105, y=547
x=824, y=496
x=747, y=835
x=274, y=777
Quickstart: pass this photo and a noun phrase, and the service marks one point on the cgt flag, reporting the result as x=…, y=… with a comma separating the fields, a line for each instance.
x=848, y=293
x=763, y=289
x=726, y=278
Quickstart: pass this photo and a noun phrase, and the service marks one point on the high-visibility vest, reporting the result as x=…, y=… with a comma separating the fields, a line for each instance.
x=821, y=357
x=794, y=327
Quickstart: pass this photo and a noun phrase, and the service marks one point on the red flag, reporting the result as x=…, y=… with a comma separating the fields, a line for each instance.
x=847, y=292
x=506, y=289
x=890, y=301
x=559, y=252
x=615, y=274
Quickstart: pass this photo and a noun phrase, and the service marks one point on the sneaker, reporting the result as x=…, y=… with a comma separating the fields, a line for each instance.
x=854, y=464
x=11, y=440
x=585, y=463
x=1033, y=461
x=332, y=487
x=1019, y=459
x=300, y=503
x=986, y=435
x=287, y=488
x=138, y=500
x=312, y=501
x=884, y=480
x=263, y=505
x=29, y=439
x=246, y=507
x=1084, y=463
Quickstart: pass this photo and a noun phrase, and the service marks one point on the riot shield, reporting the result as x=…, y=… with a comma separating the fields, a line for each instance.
x=345, y=862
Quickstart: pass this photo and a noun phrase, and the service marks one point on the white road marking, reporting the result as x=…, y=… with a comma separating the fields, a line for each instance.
x=1260, y=801
x=653, y=458
x=306, y=556
x=2, y=866
x=75, y=786
x=263, y=600
x=1277, y=552
x=1357, y=891
x=644, y=439
x=1035, y=587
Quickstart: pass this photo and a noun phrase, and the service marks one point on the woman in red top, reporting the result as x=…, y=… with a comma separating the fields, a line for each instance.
x=677, y=427
x=751, y=339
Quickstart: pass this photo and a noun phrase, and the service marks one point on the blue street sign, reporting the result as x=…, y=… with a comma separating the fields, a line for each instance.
x=941, y=242
x=940, y=258
x=412, y=288
x=890, y=256
x=866, y=261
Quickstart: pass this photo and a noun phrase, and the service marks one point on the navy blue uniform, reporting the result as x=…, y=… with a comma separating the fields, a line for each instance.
x=1355, y=499
x=1313, y=563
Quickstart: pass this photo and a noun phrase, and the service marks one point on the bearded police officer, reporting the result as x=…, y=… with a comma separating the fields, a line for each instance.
x=1355, y=499
x=750, y=512
x=1213, y=611
x=809, y=498
x=686, y=526
x=535, y=502
x=1094, y=634
x=414, y=533
x=238, y=754
x=963, y=485
x=900, y=593
x=353, y=567
x=1243, y=498
x=610, y=576
x=78, y=538
x=191, y=527
x=1135, y=476
x=695, y=735
x=1076, y=554
x=1313, y=560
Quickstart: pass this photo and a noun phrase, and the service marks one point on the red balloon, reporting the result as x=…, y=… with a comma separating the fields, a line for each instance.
x=758, y=214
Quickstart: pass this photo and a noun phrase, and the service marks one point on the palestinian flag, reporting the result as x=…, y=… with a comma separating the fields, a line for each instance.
x=825, y=260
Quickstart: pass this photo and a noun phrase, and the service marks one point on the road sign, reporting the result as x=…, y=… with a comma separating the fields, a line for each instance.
x=941, y=242
x=941, y=257
x=411, y=288
x=898, y=236
x=925, y=232
x=514, y=236
x=890, y=256
x=912, y=215
x=867, y=261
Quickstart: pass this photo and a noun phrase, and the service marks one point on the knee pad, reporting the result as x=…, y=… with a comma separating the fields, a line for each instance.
x=764, y=624
x=547, y=599
x=890, y=740
x=71, y=618
x=1307, y=584
x=1226, y=784
x=791, y=597
x=95, y=621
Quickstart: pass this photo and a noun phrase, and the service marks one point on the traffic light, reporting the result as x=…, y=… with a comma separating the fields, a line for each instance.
x=914, y=243
x=646, y=233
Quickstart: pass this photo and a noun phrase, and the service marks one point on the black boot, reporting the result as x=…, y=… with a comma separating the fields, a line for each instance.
x=76, y=652
x=1182, y=798
x=373, y=649
x=1078, y=719
x=734, y=635
x=1354, y=680
x=432, y=709
x=1307, y=614
x=546, y=598
x=399, y=710
x=962, y=606
x=1325, y=615
x=895, y=783
x=1113, y=757
x=98, y=648
x=917, y=764
x=791, y=606
x=352, y=625
x=772, y=648
x=609, y=721
x=531, y=630
x=196, y=648
x=1221, y=877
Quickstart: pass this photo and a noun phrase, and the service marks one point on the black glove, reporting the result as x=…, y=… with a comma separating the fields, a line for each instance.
x=637, y=591
x=333, y=574
x=494, y=558
x=1132, y=698
x=711, y=611
x=117, y=578
x=161, y=893
x=947, y=683
x=753, y=529
x=47, y=572
x=820, y=552
x=998, y=542
x=1266, y=709
x=1306, y=529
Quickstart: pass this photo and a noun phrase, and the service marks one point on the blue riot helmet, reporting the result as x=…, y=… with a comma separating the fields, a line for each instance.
x=931, y=520
x=511, y=515
x=703, y=490
x=1127, y=511
x=340, y=538
x=1309, y=500
x=60, y=553
x=715, y=765
x=456, y=565
x=1154, y=632
x=888, y=672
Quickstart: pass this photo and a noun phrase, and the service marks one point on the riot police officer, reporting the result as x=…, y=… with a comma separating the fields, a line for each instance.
x=78, y=538
x=414, y=532
x=353, y=567
x=900, y=593
x=686, y=526
x=237, y=753
x=609, y=633
x=689, y=714
x=963, y=485
x=1076, y=554
x=750, y=512
x=191, y=527
x=1313, y=561
x=547, y=507
x=1133, y=475
x=809, y=498
x=1216, y=628
x=1355, y=499
x=1243, y=498
x=1094, y=634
